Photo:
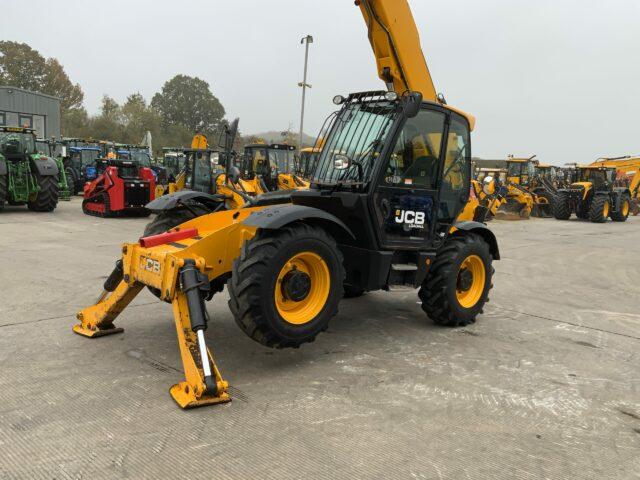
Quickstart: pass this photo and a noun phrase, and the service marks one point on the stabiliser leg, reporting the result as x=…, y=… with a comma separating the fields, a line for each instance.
x=203, y=383
x=97, y=320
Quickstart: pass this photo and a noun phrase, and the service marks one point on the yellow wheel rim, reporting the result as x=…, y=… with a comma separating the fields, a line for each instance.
x=605, y=209
x=470, y=281
x=299, y=305
x=625, y=208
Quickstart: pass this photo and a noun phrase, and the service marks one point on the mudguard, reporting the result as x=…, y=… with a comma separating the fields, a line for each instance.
x=173, y=200
x=45, y=166
x=3, y=166
x=482, y=230
x=277, y=216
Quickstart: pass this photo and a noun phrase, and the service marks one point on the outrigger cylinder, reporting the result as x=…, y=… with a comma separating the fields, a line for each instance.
x=195, y=285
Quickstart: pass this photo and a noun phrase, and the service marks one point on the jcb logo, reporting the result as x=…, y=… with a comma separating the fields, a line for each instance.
x=409, y=217
x=150, y=265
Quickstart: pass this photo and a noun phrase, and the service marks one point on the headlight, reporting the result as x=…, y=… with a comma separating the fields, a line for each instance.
x=391, y=96
x=338, y=99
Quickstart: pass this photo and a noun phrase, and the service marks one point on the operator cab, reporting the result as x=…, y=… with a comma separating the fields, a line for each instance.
x=267, y=161
x=16, y=143
x=396, y=170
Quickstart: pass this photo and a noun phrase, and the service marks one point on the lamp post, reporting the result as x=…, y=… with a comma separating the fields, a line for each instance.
x=306, y=41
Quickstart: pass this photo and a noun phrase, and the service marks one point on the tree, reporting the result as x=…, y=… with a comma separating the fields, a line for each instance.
x=188, y=102
x=23, y=67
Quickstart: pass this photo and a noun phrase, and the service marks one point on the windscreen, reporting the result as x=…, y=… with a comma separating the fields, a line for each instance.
x=13, y=143
x=357, y=133
x=88, y=157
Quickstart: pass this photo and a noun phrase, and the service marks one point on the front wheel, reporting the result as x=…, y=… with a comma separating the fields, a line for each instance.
x=622, y=213
x=562, y=207
x=286, y=285
x=458, y=283
x=599, y=209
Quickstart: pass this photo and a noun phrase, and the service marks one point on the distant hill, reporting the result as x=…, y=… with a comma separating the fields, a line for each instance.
x=274, y=136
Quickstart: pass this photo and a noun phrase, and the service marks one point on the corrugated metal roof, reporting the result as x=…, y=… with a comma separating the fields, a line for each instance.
x=7, y=87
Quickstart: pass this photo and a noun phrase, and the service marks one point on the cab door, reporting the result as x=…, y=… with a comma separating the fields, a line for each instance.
x=405, y=199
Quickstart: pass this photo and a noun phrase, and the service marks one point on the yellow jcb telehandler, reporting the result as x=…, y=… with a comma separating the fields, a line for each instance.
x=389, y=205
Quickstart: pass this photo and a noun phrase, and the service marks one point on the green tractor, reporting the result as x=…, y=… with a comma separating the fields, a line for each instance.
x=26, y=176
x=51, y=148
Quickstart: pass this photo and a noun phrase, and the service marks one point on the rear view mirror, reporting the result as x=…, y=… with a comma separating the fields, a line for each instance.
x=341, y=162
x=411, y=104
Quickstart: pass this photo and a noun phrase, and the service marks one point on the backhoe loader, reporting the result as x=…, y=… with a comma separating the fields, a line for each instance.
x=628, y=169
x=389, y=205
x=522, y=198
x=593, y=196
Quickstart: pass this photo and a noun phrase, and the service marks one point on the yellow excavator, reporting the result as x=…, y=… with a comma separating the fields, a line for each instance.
x=307, y=162
x=388, y=206
x=628, y=175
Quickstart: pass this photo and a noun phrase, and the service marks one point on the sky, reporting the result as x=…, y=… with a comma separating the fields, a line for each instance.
x=556, y=78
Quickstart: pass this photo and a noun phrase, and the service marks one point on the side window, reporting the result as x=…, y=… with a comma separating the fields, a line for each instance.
x=415, y=156
x=456, y=173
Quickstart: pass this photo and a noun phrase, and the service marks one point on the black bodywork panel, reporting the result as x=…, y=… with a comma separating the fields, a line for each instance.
x=173, y=200
x=45, y=166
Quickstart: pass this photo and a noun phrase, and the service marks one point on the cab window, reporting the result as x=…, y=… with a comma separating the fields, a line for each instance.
x=415, y=156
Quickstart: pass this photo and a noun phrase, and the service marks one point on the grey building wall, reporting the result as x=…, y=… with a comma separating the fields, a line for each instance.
x=37, y=110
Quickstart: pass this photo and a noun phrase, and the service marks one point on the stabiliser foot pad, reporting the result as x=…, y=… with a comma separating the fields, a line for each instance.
x=186, y=398
x=86, y=332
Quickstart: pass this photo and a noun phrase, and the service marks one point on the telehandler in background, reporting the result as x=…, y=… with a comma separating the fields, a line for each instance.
x=628, y=175
x=270, y=167
x=307, y=162
x=593, y=196
x=27, y=177
x=389, y=206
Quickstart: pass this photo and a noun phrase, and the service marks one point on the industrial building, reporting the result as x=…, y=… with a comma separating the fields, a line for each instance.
x=23, y=108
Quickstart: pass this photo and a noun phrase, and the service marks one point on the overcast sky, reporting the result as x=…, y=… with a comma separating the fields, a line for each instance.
x=558, y=78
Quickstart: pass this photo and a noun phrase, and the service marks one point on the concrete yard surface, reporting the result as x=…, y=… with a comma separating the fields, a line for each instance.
x=545, y=385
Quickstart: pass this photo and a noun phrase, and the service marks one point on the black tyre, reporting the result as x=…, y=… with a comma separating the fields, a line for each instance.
x=165, y=221
x=46, y=199
x=562, y=206
x=353, y=292
x=3, y=190
x=72, y=181
x=599, y=209
x=286, y=285
x=622, y=213
x=458, y=283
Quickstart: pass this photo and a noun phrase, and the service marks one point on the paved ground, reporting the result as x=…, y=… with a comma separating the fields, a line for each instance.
x=545, y=385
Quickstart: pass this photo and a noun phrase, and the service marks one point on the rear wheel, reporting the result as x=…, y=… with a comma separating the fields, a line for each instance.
x=3, y=190
x=71, y=181
x=286, y=285
x=622, y=213
x=458, y=283
x=562, y=206
x=599, y=209
x=46, y=198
